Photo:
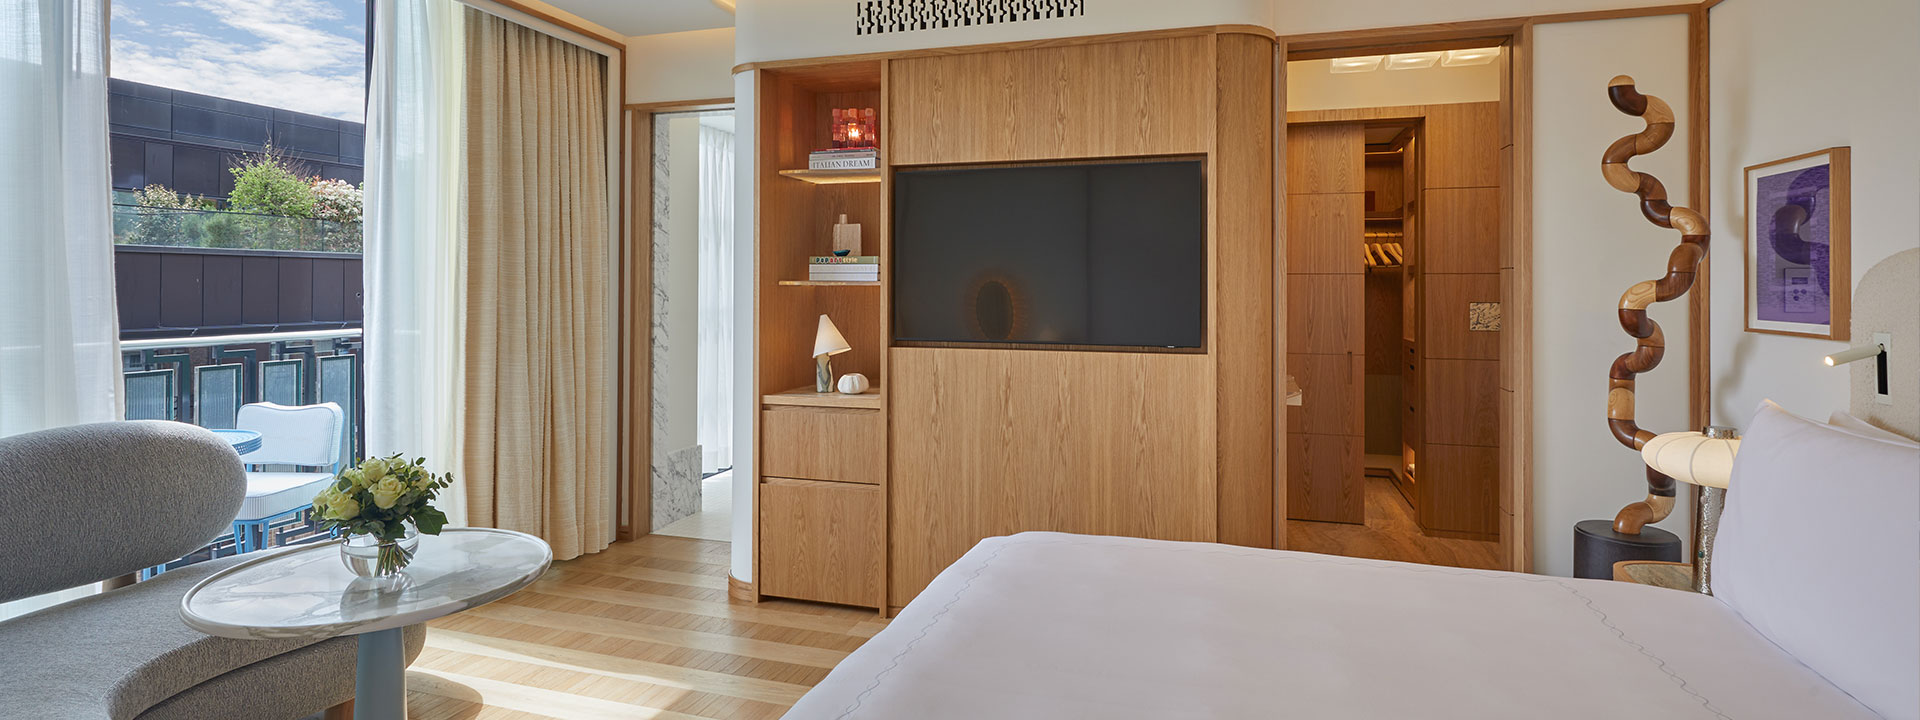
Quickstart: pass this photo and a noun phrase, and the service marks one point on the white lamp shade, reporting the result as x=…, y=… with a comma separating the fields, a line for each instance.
x=1691, y=457
x=829, y=341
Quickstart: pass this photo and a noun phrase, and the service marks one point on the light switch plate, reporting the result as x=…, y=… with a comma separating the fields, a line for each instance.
x=1483, y=316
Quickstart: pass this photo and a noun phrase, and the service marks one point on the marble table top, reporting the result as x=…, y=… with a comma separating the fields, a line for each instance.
x=307, y=592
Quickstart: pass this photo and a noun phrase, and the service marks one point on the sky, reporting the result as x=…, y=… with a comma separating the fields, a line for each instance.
x=304, y=55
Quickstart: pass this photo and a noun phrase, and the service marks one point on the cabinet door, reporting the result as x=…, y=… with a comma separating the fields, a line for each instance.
x=838, y=444
x=1324, y=478
x=820, y=541
x=1332, y=394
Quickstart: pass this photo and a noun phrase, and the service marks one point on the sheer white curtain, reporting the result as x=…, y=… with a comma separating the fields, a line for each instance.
x=415, y=262
x=59, y=347
x=715, y=357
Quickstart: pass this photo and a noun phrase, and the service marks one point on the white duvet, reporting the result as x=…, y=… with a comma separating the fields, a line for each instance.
x=1049, y=625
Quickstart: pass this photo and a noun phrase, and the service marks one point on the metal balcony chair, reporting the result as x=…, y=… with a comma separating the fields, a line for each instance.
x=305, y=436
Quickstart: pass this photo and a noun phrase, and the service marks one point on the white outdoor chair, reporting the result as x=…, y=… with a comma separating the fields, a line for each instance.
x=305, y=436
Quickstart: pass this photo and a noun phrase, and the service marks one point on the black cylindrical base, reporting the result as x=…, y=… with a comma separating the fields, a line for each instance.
x=1596, y=547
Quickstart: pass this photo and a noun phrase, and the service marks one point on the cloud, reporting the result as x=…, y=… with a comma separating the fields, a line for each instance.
x=292, y=54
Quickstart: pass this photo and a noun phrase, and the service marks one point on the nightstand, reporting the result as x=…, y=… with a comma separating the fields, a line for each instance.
x=1672, y=575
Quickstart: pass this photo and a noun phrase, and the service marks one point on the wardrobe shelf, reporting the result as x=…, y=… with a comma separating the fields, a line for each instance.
x=806, y=397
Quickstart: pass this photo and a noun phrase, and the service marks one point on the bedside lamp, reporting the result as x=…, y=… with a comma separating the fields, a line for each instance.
x=827, y=342
x=1704, y=459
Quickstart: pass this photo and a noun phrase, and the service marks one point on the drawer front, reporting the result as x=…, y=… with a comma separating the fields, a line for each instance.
x=820, y=541
x=836, y=444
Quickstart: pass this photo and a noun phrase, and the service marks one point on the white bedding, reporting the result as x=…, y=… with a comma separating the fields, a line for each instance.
x=1049, y=625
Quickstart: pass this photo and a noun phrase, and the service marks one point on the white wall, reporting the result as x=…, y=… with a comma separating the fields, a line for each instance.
x=746, y=336
x=1790, y=78
x=1312, y=86
x=1590, y=244
x=672, y=67
x=677, y=291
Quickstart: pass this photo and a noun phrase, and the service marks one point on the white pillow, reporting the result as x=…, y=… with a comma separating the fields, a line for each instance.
x=1846, y=421
x=1819, y=550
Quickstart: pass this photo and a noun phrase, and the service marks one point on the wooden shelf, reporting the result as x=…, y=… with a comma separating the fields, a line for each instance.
x=806, y=397
x=831, y=283
x=833, y=177
x=1376, y=216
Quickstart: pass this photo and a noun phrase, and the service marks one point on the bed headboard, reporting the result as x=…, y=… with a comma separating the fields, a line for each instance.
x=1885, y=302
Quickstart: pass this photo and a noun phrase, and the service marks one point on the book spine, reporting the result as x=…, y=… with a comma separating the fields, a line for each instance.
x=843, y=163
x=844, y=260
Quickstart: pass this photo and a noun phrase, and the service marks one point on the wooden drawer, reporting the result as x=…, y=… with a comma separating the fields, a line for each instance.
x=820, y=541
x=837, y=444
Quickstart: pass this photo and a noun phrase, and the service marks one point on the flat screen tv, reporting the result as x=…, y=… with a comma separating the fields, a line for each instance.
x=1104, y=255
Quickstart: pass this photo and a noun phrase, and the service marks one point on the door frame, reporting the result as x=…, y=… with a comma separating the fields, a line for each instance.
x=634, y=494
x=1514, y=497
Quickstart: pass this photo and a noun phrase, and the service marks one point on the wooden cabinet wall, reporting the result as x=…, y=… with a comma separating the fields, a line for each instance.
x=1459, y=359
x=1326, y=321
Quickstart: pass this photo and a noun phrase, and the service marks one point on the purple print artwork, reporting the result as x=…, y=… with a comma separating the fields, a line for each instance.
x=1791, y=266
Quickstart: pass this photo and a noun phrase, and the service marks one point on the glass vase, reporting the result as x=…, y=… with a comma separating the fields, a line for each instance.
x=370, y=557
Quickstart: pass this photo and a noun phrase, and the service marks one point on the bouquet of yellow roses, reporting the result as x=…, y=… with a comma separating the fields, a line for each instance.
x=379, y=498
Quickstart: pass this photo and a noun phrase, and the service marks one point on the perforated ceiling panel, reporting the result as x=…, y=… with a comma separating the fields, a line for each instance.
x=874, y=17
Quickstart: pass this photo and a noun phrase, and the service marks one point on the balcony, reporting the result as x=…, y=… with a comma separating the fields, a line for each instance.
x=205, y=379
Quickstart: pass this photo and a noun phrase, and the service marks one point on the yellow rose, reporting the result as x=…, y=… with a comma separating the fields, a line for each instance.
x=342, y=507
x=388, y=491
x=321, y=501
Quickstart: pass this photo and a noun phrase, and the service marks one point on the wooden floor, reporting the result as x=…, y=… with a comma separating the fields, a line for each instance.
x=1390, y=533
x=642, y=630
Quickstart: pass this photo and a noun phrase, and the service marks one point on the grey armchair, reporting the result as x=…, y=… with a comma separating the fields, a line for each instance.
x=89, y=503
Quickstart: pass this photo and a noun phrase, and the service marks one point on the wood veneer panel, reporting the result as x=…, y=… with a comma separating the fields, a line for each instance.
x=1456, y=489
x=1326, y=314
x=1463, y=145
x=1324, y=232
x=1325, y=481
x=821, y=541
x=1384, y=322
x=1461, y=404
x=1144, y=97
x=1462, y=230
x=1444, y=316
x=1383, y=180
x=1332, y=394
x=1242, y=338
x=814, y=443
x=1326, y=159
x=994, y=442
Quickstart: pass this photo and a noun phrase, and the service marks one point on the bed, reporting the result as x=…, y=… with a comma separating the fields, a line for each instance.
x=1050, y=625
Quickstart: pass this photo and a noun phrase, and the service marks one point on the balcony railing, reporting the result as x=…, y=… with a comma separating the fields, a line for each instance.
x=169, y=227
x=205, y=380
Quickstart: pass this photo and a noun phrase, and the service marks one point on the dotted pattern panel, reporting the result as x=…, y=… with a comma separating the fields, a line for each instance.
x=874, y=17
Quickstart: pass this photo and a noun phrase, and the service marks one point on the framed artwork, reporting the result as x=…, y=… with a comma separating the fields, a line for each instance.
x=1797, y=245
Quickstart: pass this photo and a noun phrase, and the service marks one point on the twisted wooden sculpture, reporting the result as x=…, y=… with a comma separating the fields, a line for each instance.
x=1681, y=266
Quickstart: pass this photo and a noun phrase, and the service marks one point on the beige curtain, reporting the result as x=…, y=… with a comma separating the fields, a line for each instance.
x=537, y=381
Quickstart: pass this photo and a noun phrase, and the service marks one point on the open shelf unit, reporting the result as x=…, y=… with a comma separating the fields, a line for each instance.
x=820, y=489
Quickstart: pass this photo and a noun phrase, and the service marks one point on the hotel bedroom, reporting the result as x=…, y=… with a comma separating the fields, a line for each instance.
x=1011, y=359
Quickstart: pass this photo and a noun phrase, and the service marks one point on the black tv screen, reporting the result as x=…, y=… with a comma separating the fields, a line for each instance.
x=1105, y=254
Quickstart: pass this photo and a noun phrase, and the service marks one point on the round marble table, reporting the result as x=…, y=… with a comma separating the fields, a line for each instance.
x=307, y=592
x=243, y=441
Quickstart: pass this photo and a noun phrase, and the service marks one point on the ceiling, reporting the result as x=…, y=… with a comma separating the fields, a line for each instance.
x=648, y=17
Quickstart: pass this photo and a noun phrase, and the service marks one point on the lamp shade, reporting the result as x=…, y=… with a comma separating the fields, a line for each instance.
x=1692, y=457
x=828, y=340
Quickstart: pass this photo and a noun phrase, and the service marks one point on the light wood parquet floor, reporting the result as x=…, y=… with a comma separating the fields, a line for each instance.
x=1391, y=532
x=642, y=630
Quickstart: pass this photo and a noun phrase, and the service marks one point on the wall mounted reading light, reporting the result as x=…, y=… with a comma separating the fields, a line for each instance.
x=1877, y=350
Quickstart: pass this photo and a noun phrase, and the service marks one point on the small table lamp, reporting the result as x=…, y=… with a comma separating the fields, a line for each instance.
x=827, y=341
x=1704, y=459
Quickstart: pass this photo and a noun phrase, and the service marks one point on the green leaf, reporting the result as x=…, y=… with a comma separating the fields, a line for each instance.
x=430, y=520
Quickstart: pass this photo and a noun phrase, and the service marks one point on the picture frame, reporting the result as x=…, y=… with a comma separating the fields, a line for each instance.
x=1798, y=245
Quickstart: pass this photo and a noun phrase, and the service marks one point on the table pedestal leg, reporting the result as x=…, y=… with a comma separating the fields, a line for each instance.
x=380, y=679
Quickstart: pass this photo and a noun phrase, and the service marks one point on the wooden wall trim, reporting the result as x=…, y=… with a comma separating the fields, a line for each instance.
x=1699, y=185
x=547, y=13
x=1279, y=319
x=1012, y=45
x=1316, y=45
x=725, y=103
x=634, y=488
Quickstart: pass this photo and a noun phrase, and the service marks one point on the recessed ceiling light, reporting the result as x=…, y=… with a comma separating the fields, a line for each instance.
x=1365, y=63
x=1412, y=61
x=1470, y=56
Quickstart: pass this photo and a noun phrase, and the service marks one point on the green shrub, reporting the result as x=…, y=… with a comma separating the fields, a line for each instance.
x=267, y=183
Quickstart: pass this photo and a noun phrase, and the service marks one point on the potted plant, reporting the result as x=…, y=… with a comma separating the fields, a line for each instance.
x=381, y=507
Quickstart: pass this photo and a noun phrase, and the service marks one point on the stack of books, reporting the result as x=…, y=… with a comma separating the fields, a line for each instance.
x=858, y=268
x=865, y=158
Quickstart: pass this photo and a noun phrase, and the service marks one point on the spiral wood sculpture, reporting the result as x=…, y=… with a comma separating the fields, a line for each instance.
x=1681, y=266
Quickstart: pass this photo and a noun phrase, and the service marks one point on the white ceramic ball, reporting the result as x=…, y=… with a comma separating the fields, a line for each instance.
x=853, y=384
